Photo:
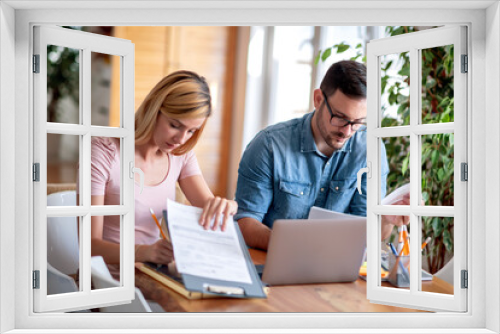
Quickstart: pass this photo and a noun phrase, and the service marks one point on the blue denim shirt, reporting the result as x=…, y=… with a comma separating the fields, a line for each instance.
x=282, y=174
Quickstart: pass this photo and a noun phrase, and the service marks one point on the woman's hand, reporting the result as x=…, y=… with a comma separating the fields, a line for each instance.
x=217, y=207
x=161, y=252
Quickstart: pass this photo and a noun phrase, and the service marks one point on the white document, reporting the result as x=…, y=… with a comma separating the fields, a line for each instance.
x=206, y=253
x=396, y=195
x=320, y=213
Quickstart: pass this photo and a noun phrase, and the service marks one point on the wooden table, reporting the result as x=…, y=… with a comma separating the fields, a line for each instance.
x=331, y=297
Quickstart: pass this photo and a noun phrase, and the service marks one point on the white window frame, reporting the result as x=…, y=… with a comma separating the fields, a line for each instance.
x=483, y=20
x=413, y=44
x=87, y=43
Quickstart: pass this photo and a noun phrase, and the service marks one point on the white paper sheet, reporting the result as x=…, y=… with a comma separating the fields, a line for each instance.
x=206, y=253
x=396, y=195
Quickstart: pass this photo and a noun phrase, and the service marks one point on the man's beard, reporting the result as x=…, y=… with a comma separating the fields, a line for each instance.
x=331, y=138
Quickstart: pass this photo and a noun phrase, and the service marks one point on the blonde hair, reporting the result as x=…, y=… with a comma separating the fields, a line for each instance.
x=179, y=95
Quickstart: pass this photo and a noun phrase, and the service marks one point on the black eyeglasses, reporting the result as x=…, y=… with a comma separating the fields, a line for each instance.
x=341, y=121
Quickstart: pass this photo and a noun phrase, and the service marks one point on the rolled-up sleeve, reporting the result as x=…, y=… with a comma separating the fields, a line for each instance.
x=254, y=191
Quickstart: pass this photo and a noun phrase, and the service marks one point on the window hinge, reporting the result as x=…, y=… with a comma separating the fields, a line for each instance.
x=464, y=171
x=465, y=64
x=36, y=63
x=36, y=279
x=465, y=279
x=36, y=172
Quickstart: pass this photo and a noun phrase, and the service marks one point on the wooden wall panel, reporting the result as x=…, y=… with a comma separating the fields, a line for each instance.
x=209, y=51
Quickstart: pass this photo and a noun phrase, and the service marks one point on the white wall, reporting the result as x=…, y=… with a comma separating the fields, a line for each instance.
x=7, y=65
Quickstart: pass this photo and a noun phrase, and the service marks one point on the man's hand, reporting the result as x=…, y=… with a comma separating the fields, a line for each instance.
x=255, y=233
x=388, y=222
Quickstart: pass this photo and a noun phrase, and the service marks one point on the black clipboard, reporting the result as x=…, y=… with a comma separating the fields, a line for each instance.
x=222, y=287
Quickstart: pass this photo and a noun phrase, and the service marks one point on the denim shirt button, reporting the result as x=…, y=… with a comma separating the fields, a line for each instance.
x=302, y=193
x=337, y=188
x=322, y=189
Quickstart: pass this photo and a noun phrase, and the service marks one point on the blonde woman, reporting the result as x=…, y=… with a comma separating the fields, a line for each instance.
x=167, y=126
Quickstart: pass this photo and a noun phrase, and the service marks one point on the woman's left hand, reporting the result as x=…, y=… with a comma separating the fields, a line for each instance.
x=216, y=207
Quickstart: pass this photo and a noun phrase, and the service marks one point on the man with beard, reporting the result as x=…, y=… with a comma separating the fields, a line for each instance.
x=311, y=161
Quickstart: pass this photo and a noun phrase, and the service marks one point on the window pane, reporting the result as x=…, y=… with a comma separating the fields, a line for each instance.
x=106, y=270
x=438, y=169
x=395, y=254
x=437, y=254
x=106, y=169
x=63, y=157
x=63, y=251
x=292, y=69
x=398, y=159
x=105, y=72
x=395, y=89
x=63, y=84
x=437, y=85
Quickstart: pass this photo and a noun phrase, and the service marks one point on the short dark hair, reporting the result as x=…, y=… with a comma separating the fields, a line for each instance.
x=347, y=75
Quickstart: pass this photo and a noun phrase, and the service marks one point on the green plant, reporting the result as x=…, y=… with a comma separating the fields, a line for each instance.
x=437, y=106
x=62, y=77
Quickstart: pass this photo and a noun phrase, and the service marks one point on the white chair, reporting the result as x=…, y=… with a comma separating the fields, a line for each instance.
x=62, y=235
x=102, y=279
x=446, y=273
x=57, y=282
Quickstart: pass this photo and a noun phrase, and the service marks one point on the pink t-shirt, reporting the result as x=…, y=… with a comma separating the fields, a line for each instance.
x=105, y=169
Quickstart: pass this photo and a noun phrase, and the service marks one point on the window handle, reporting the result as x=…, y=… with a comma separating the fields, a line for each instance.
x=368, y=171
x=133, y=170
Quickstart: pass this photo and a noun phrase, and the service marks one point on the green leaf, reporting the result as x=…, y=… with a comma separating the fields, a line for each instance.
x=318, y=57
x=444, y=102
x=437, y=226
x=447, y=240
x=405, y=71
x=326, y=54
x=404, y=168
x=402, y=99
x=355, y=57
x=341, y=47
x=359, y=46
x=440, y=174
x=425, y=196
x=445, y=118
x=387, y=66
x=434, y=157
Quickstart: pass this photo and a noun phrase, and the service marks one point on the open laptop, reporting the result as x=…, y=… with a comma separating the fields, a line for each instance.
x=315, y=251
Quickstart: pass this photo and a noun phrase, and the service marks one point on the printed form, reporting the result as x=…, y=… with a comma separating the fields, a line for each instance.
x=205, y=253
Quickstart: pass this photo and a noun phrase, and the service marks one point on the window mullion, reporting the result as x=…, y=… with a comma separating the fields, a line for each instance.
x=405, y=210
x=127, y=154
x=415, y=167
x=85, y=113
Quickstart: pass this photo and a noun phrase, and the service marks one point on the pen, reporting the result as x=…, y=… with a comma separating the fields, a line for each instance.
x=426, y=242
x=391, y=246
x=393, y=249
x=404, y=247
x=400, y=240
x=158, y=224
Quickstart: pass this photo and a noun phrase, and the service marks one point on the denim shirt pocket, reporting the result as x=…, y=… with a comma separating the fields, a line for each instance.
x=293, y=199
x=340, y=195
